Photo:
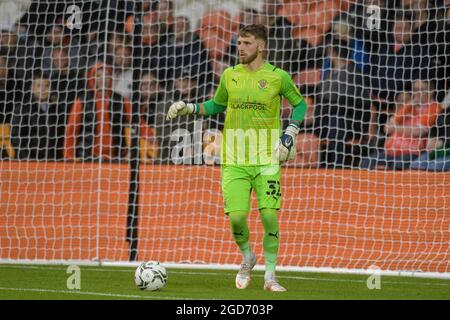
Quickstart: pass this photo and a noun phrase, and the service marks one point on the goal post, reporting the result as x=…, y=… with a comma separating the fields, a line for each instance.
x=91, y=171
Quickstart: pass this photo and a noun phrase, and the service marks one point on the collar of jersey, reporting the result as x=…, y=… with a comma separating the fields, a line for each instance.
x=254, y=71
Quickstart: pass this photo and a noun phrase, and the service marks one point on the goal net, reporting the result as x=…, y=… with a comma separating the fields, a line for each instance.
x=91, y=170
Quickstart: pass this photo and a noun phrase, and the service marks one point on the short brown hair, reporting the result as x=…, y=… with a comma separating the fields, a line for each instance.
x=259, y=31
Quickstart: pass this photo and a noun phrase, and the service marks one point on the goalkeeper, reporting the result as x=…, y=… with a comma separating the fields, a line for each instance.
x=251, y=93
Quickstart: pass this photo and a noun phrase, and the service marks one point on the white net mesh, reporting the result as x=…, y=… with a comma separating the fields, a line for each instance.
x=79, y=80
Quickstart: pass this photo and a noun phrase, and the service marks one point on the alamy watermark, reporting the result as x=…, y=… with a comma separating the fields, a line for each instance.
x=74, y=280
x=374, y=280
x=374, y=20
x=233, y=146
x=74, y=21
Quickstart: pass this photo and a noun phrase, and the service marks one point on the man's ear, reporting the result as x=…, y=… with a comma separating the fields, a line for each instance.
x=261, y=46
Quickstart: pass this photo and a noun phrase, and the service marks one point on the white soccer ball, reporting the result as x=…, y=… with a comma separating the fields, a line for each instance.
x=150, y=276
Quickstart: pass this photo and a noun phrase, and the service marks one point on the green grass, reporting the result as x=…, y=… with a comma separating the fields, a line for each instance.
x=49, y=282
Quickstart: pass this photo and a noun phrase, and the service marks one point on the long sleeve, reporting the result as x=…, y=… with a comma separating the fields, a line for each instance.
x=146, y=130
x=16, y=128
x=72, y=128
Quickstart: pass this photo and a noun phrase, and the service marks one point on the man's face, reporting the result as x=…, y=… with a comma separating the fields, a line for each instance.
x=402, y=31
x=41, y=89
x=55, y=35
x=147, y=4
x=163, y=10
x=341, y=31
x=181, y=26
x=3, y=68
x=114, y=41
x=103, y=80
x=122, y=57
x=149, y=87
x=8, y=39
x=249, y=48
x=150, y=28
x=336, y=61
x=60, y=59
x=403, y=98
x=421, y=92
x=419, y=5
x=185, y=85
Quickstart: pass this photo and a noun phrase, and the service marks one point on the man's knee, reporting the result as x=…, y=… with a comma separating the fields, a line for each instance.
x=237, y=218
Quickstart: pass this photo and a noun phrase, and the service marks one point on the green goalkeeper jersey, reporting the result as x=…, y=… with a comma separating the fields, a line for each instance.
x=252, y=123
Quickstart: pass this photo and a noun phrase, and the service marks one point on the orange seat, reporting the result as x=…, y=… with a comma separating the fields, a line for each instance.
x=293, y=11
x=312, y=13
x=286, y=109
x=309, y=34
x=216, y=32
x=308, y=77
x=320, y=15
x=326, y=12
x=345, y=4
x=217, y=46
x=5, y=142
x=220, y=19
x=235, y=23
x=308, y=148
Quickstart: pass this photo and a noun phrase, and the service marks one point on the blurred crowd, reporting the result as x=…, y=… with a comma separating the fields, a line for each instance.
x=374, y=73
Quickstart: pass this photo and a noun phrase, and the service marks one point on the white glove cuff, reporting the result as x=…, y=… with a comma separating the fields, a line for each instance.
x=292, y=130
x=190, y=108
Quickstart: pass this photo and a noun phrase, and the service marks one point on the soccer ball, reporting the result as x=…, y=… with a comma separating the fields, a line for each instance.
x=150, y=276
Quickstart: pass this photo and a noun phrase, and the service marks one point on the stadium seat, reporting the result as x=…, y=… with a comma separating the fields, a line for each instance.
x=308, y=148
x=5, y=142
x=235, y=23
x=308, y=77
x=345, y=4
x=286, y=110
x=310, y=34
x=245, y=17
x=220, y=19
x=194, y=12
x=215, y=32
x=311, y=19
x=212, y=141
x=324, y=13
x=232, y=8
x=319, y=15
x=292, y=11
x=148, y=146
x=293, y=7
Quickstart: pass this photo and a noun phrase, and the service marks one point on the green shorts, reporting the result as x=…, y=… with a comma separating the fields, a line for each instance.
x=239, y=181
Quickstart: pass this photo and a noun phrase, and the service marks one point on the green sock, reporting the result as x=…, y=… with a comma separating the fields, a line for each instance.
x=269, y=220
x=241, y=233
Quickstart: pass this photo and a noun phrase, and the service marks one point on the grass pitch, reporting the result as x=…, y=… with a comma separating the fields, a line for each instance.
x=50, y=282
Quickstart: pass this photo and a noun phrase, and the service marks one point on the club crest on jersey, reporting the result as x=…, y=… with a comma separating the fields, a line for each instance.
x=262, y=84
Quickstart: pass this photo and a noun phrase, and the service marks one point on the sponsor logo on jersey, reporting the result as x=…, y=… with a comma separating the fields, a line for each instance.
x=262, y=84
x=248, y=106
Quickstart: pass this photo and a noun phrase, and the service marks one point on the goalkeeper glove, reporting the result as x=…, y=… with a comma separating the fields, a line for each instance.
x=180, y=109
x=286, y=149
